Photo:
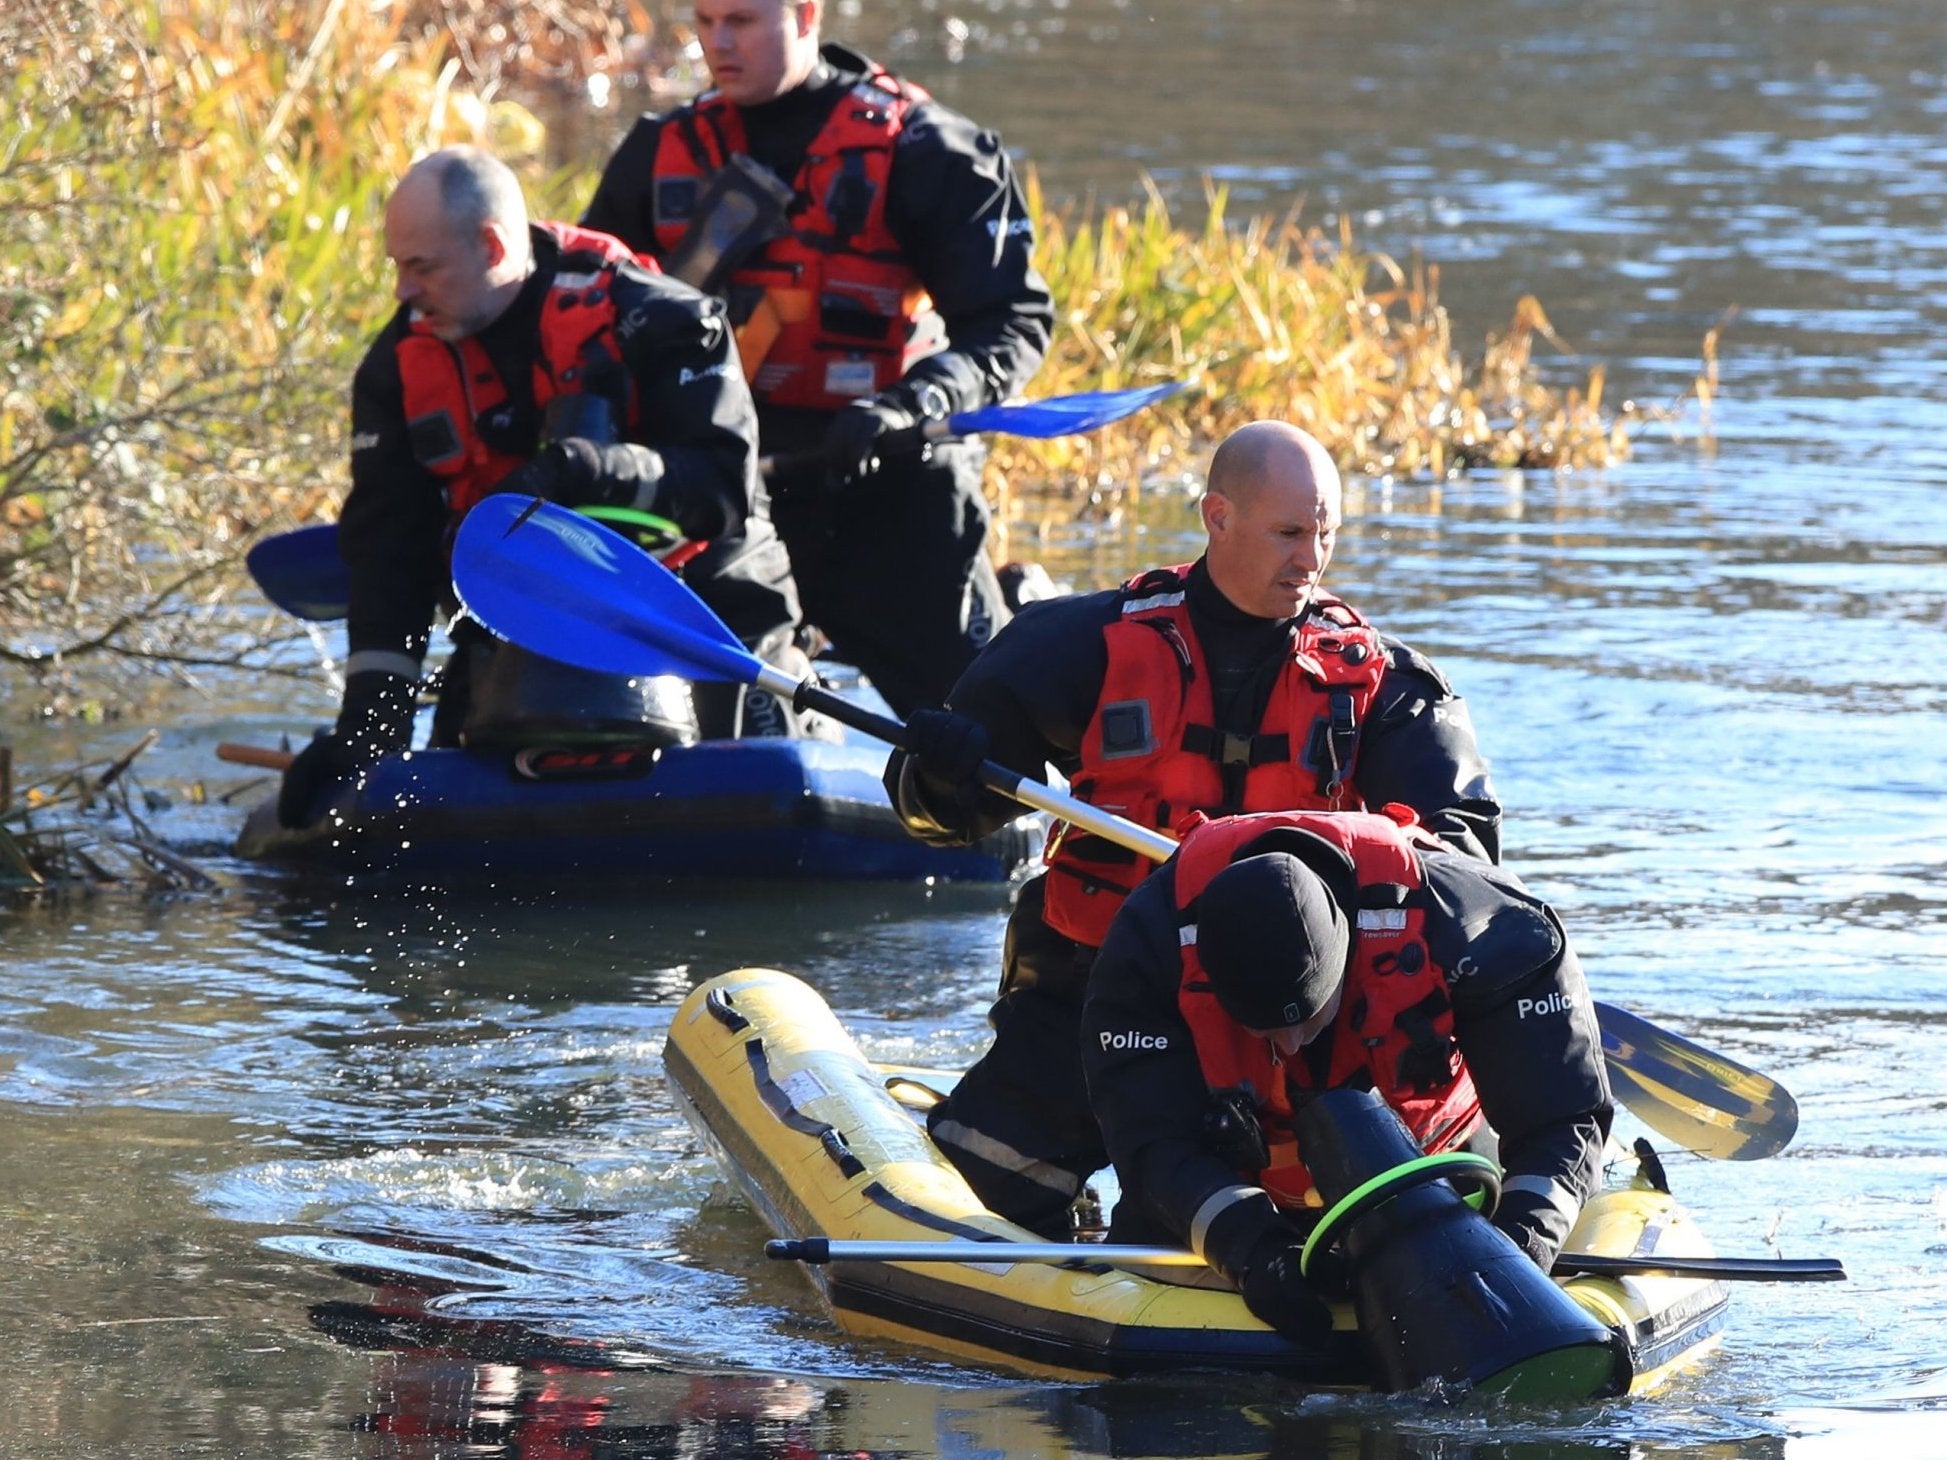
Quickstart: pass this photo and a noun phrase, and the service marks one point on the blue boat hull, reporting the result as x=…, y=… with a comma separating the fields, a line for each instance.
x=727, y=808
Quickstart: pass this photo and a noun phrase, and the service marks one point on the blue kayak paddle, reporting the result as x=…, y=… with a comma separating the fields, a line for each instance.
x=1058, y=415
x=301, y=572
x=570, y=589
x=1037, y=420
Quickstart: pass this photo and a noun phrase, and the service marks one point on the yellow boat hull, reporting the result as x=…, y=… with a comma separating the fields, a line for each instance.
x=806, y=1127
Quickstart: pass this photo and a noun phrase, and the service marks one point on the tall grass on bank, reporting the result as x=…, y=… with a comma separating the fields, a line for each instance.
x=1276, y=319
x=191, y=262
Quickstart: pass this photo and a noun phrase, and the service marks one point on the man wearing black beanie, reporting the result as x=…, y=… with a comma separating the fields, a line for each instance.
x=1283, y=954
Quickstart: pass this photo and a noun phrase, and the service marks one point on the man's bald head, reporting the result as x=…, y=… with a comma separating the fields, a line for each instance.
x=1271, y=506
x=1264, y=451
x=456, y=229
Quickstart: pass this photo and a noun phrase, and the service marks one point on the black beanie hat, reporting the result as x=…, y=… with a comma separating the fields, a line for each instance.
x=1272, y=939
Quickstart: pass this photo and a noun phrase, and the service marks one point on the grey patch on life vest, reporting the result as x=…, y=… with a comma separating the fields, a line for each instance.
x=1154, y=600
x=434, y=439
x=1125, y=730
x=675, y=199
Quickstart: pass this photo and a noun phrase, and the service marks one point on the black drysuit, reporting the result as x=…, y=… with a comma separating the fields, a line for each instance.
x=893, y=569
x=1522, y=1018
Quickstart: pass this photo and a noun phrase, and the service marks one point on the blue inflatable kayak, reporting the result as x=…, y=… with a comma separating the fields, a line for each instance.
x=760, y=808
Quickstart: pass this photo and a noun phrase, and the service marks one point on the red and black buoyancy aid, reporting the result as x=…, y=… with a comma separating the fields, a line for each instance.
x=457, y=415
x=831, y=310
x=1394, y=1030
x=1153, y=754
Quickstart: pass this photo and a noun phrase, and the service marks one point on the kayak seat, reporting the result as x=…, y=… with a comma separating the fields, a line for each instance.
x=521, y=699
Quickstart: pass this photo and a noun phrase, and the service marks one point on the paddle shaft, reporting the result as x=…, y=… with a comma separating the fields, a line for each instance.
x=257, y=755
x=1698, y=1108
x=903, y=442
x=807, y=694
x=818, y=1250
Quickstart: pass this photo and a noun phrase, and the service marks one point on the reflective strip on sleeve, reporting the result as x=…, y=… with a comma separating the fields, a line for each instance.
x=382, y=661
x=1214, y=1206
x=1549, y=1191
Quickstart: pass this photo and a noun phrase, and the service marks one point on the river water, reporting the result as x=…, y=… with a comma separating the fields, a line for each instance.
x=246, y=1137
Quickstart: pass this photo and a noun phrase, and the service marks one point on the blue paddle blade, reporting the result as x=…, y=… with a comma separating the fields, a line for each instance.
x=302, y=573
x=570, y=589
x=1062, y=415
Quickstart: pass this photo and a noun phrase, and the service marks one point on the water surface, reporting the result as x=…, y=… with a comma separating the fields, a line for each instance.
x=293, y=1171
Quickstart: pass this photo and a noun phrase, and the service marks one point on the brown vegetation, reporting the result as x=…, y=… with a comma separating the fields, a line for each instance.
x=190, y=264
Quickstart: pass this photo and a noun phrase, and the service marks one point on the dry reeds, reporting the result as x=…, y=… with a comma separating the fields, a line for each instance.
x=191, y=261
x=1275, y=319
x=82, y=830
x=189, y=264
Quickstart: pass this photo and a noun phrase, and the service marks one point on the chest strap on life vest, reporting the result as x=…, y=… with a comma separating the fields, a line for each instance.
x=1228, y=748
x=1334, y=739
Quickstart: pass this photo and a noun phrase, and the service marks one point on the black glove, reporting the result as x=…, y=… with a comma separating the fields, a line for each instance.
x=1329, y=1274
x=947, y=748
x=855, y=441
x=853, y=437
x=576, y=472
x=374, y=719
x=1277, y=1293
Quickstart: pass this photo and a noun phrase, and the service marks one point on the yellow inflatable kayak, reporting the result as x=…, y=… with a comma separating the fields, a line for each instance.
x=808, y=1129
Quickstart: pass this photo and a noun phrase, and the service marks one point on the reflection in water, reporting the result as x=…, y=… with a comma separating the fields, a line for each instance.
x=445, y=1386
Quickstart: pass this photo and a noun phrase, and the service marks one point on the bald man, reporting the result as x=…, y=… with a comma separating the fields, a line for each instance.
x=531, y=357
x=1231, y=684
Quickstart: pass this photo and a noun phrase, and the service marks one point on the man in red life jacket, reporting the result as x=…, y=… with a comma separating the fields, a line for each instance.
x=1279, y=955
x=875, y=252
x=1233, y=684
x=509, y=333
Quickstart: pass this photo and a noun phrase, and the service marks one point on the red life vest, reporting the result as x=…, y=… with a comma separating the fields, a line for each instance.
x=1394, y=1030
x=835, y=311
x=1151, y=752
x=455, y=399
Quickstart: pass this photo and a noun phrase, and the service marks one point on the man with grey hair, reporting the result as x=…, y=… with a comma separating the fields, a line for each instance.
x=1232, y=684
x=531, y=357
